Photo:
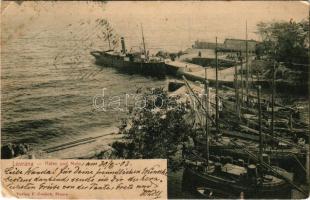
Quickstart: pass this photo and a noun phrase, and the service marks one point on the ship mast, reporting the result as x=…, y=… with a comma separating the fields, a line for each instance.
x=216, y=91
x=237, y=92
x=272, y=98
x=246, y=61
x=144, y=49
x=207, y=113
x=241, y=68
x=260, y=124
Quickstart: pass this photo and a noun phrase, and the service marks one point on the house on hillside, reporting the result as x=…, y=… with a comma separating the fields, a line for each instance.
x=238, y=44
x=206, y=45
x=228, y=45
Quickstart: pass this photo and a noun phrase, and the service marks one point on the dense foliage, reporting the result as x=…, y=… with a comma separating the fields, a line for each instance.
x=156, y=129
x=287, y=43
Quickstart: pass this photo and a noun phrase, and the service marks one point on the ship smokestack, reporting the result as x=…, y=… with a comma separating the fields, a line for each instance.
x=123, y=45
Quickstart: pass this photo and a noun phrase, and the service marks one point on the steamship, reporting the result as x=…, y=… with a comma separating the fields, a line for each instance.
x=131, y=62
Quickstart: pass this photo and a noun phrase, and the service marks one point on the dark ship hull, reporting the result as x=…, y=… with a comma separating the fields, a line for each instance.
x=123, y=64
x=192, y=179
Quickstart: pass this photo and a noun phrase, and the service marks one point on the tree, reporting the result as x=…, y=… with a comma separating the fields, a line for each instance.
x=157, y=130
x=288, y=44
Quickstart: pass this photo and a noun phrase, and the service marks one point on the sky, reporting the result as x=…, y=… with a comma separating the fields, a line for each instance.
x=168, y=22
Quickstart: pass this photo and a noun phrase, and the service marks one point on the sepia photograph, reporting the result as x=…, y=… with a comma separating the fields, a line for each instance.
x=155, y=99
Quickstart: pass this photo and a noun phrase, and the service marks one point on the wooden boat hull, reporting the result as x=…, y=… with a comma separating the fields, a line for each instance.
x=193, y=179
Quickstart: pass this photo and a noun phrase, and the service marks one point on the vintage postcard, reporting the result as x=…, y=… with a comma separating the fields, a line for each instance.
x=155, y=99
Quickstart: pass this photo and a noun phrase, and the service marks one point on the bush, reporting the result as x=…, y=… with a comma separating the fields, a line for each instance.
x=156, y=130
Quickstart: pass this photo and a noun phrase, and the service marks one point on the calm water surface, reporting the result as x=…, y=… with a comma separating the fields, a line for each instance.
x=49, y=80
